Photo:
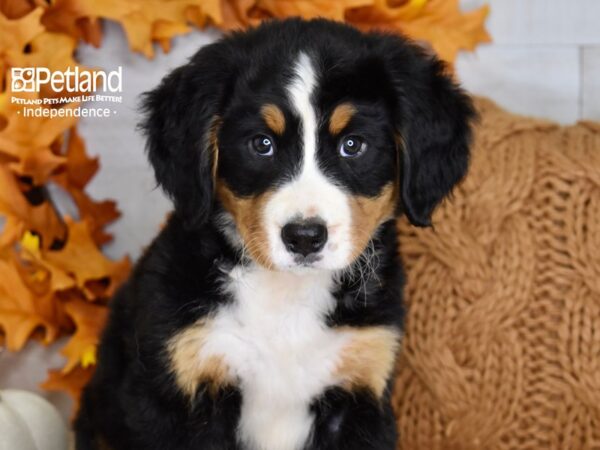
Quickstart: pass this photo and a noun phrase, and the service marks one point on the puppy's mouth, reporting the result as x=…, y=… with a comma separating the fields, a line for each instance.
x=308, y=260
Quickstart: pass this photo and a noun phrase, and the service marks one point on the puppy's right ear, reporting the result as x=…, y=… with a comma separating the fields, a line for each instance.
x=181, y=117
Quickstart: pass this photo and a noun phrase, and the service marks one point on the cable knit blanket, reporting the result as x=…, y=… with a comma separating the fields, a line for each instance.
x=502, y=345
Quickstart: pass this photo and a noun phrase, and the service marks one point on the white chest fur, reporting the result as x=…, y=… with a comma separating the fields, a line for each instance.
x=274, y=341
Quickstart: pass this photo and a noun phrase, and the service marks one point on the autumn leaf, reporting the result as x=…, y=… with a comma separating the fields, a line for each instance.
x=51, y=278
x=80, y=168
x=97, y=214
x=236, y=14
x=16, y=34
x=22, y=216
x=37, y=164
x=21, y=312
x=153, y=20
x=447, y=29
x=15, y=9
x=310, y=9
x=67, y=17
x=383, y=13
x=31, y=243
x=72, y=383
x=438, y=22
x=53, y=51
x=94, y=273
x=202, y=12
x=144, y=21
x=78, y=171
x=89, y=320
x=28, y=140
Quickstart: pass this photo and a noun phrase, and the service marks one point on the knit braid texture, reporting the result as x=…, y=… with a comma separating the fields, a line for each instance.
x=502, y=344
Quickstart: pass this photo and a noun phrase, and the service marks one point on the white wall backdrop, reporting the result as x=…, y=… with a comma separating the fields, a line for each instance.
x=544, y=61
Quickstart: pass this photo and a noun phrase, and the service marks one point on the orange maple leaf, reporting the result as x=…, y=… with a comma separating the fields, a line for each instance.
x=202, y=12
x=94, y=273
x=71, y=383
x=48, y=277
x=79, y=170
x=438, y=22
x=21, y=311
x=309, y=9
x=28, y=140
x=148, y=21
x=236, y=14
x=97, y=214
x=16, y=34
x=50, y=50
x=447, y=29
x=20, y=215
x=67, y=17
x=89, y=320
x=15, y=9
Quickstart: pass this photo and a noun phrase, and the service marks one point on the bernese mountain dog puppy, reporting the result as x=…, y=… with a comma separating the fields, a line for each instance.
x=267, y=314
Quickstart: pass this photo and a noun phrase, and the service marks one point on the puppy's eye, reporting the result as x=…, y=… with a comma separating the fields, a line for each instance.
x=262, y=144
x=352, y=146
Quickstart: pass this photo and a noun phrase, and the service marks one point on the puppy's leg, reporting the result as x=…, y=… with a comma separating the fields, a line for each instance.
x=353, y=421
x=100, y=412
x=84, y=434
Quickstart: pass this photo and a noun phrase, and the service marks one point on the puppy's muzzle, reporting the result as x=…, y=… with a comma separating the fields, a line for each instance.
x=304, y=238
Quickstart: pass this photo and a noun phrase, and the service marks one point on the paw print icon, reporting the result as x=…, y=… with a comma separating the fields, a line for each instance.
x=23, y=79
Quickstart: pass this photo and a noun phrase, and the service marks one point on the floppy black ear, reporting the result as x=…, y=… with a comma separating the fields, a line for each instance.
x=435, y=118
x=179, y=116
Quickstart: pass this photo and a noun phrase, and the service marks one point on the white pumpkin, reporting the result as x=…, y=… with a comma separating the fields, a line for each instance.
x=28, y=422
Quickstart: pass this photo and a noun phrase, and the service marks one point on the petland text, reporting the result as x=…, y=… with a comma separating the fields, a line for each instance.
x=73, y=79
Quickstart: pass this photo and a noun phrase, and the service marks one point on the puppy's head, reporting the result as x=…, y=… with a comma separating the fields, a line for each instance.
x=301, y=138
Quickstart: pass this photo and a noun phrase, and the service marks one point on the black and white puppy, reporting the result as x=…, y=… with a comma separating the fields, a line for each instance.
x=267, y=314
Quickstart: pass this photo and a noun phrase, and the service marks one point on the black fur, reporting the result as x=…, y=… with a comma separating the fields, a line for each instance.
x=132, y=401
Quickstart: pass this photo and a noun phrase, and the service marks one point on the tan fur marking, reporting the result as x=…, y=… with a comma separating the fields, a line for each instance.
x=273, y=117
x=184, y=350
x=214, y=145
x=340, y=117
x=247, y=213
x=369, y=359
x=368, y=213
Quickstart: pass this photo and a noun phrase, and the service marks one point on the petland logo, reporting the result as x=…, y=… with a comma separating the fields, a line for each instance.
x=31, y=79
x=74, y=91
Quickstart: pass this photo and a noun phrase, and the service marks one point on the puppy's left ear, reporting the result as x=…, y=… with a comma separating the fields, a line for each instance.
x=434, y=118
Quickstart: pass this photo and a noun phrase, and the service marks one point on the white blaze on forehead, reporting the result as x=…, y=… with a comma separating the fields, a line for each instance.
x=300, y=92
x=310, y=193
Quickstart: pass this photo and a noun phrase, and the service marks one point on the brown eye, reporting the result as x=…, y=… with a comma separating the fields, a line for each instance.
x=352, y=146
x=262, y=144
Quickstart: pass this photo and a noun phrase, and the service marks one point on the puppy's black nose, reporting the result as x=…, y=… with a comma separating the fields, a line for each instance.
x=304, y=237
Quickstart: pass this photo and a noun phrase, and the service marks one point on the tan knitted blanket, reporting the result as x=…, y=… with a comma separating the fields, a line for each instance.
x=502, y=346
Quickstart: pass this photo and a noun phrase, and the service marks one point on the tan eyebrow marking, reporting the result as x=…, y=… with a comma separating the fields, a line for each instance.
x=340, y=117
x=273, y=117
